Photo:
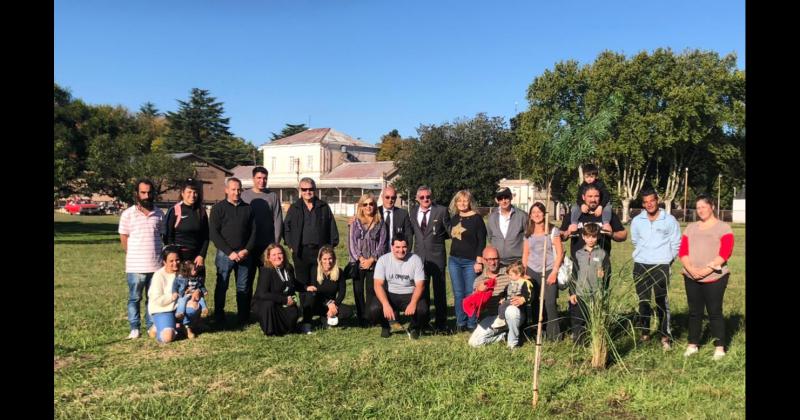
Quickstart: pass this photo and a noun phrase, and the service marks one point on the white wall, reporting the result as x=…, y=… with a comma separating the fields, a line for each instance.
x=282, y=171
x=738, y=211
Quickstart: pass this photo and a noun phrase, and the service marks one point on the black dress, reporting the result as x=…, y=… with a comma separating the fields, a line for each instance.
x=316, y=303
x=269, y=301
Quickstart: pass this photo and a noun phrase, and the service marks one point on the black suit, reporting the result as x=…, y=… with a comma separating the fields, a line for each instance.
x=429, y=245
x=401, y=224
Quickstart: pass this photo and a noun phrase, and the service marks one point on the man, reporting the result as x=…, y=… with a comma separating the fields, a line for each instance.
x=484, y=333
x=506, y=228
x=396, y=219
x=233, y=231
x=404, y=276
x=140, y=235
x=656, y=238
x=309, y=225
x=591, y=196
x=431, y=224
x=267, y=212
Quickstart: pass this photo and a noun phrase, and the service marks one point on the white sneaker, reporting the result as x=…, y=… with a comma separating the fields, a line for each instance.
x=305, y=329
x=498, y=323
x=133, y=335
x=690, y=351
x=718, y=355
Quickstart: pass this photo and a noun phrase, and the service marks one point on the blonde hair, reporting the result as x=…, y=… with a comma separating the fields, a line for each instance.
x=334, y=275
x=473, y=205
x=376, y=218
x=516, y=267
x=265, y=256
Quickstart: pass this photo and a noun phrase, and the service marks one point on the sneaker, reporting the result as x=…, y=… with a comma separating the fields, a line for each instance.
x=204, y=313
x=413, y=334
x=306, y=329
x=152, y=332
x=690, y=350
x=498, y=323
x=190, y=334
x=645, y=338
x=385, y=333
x=395, y=327
x=133, y=335
x=665, y=345
x=718, y=354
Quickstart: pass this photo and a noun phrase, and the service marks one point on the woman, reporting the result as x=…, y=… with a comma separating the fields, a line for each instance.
x=186, y=225
x=274, y=305
x=468, y=240
x=324, y=296
x=366, y=244
x=162, y=302
x=541, y=244
x=706, y=246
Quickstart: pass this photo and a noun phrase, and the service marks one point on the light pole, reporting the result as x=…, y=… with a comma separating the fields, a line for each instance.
x=719, y=196
x=685, y=191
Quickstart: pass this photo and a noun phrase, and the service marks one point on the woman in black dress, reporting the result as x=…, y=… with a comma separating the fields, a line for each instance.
x=274, y=303
x=326, y=292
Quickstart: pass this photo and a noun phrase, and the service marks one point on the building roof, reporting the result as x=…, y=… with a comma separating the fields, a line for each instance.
x=358, y=170
x=319, y=135
x=182, y=155
x=243, y=171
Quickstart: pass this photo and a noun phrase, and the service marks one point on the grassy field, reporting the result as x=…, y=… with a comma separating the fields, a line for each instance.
x=352, y=372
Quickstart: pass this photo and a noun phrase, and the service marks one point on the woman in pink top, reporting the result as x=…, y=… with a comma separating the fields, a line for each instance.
x=705, y=249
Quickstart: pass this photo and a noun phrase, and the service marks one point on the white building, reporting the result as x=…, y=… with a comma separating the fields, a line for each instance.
x=525, y=194
x=343, y=167
x=739, y=207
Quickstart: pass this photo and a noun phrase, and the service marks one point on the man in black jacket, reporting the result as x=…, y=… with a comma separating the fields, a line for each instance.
x=395, y=218
x=232, y=228
x=309, y=224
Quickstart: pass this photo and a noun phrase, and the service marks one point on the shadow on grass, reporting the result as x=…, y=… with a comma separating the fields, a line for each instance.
x=78, y=232
x=733, y=324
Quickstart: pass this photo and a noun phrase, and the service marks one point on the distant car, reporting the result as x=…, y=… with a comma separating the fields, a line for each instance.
x=82, y=208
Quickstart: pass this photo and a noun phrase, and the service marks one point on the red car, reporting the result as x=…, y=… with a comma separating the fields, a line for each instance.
x=81, y=208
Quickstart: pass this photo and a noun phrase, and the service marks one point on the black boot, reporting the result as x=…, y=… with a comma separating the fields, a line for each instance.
x=243, y=308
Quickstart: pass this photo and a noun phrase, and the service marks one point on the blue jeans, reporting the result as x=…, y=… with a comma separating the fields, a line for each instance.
x=182, y=301
x=462, y=278
x=138, y=284
x=224, y=268
x=163, y=321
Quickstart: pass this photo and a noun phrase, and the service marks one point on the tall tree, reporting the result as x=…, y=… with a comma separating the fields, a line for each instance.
x=199, y=127
x=471, y=154
x=289, y=130
x=393, y=147
x=69, y=142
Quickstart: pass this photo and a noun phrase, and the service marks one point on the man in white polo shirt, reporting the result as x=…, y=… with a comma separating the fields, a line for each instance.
x=140, y=235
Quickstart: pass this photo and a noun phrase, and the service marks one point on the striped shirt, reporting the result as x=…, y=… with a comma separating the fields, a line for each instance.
x=144, y=239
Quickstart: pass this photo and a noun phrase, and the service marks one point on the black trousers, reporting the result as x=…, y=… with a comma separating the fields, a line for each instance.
x=361, y=279
x=399, y=303
x=305, y=263
x=435, y=275
x=578, y=319
x=653, y=277
x=314, y=304
x=550, y=315
x=706, y=296
x=256, y=264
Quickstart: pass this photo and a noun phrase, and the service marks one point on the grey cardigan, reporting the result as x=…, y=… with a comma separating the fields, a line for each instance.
x=510, y=247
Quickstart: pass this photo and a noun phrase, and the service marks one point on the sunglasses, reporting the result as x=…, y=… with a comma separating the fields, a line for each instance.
x=505, y=197
x=424, y=197
x=368, y=204
x=306, y=189
x=390, y=197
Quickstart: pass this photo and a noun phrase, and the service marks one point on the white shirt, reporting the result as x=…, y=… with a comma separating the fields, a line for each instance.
x=421, y=214
x=505, y=221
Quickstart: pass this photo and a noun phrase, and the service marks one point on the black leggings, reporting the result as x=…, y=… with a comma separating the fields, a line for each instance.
x=361, y=279
x=655, y=277
x=706, y=296
x=550, y=314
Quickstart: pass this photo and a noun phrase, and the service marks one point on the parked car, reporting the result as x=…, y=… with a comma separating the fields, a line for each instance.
x=77, y=207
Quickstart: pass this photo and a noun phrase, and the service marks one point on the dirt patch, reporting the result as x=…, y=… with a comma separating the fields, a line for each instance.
x=60, y=362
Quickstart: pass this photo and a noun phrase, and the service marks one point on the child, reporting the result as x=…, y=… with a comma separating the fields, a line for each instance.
x=472, y=304
x=520, y=285
x=590, y=264
x=590, y=173
x=189, y=289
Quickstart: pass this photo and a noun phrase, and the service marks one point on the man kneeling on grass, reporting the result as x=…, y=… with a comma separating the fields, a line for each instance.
x=404, y=276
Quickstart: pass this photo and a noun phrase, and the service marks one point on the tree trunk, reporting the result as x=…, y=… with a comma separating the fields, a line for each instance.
x=668, y=206
x=626, y=206
x=629, y=183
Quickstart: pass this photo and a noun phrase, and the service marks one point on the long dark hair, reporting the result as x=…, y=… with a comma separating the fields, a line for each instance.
x=197, y=186
x=532, y=226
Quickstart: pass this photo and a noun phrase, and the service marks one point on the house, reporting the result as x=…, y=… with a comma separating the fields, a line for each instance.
x=525, y=194
x=344, y=168
x=738, y=206
x=211, y=175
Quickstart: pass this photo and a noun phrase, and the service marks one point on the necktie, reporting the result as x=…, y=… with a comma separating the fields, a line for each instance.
x=424, y=223
x=388, y=219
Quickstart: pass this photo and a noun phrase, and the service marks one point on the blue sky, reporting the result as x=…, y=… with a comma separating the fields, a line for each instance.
x=361, y=67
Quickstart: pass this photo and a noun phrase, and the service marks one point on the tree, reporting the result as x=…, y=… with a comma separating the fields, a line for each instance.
x=199, y=127
x=393, y=147
x=289, y=130
x=69, y=142
x=471, y=154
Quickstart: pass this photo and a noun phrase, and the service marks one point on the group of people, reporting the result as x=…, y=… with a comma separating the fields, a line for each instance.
x=496, y=268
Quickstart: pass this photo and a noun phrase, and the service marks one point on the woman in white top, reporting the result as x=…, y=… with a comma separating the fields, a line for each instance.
x=162, y=302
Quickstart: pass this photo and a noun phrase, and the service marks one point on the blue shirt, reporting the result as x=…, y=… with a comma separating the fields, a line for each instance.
x=655, y=242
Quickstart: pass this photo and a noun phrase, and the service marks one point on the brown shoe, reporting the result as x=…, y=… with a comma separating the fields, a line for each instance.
x=152, y=332
x=665, y=344
x=204, y=313
x=189, y=333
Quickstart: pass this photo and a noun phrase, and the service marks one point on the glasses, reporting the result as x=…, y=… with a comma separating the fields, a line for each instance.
x=424, y=197
x=492, y=259
x=306, y=189
x=505, y=197
x=368, y=204
x=390, y=197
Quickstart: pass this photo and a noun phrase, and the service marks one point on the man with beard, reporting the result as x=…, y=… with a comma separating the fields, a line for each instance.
x=140, y=235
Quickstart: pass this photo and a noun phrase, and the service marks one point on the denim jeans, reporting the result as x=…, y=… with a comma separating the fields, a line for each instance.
x=462, y=278
x=182, y=301
x=485, y=334
x=192, y=315
x=224, y=268
x=163, y=321
x=138, y=284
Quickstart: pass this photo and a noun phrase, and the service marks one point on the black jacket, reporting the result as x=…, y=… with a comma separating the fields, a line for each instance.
x=401, y=224
x=326, y=225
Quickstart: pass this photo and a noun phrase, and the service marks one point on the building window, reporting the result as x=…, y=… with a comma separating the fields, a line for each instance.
x=274, y=160
x=291, y=163
x=310, y=163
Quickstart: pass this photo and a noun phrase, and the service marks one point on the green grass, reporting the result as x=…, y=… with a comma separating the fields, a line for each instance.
x=353, y=372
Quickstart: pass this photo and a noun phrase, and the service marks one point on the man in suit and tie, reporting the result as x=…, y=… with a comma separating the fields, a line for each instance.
x=395, y=218
x=431, y=224
x=506, y=228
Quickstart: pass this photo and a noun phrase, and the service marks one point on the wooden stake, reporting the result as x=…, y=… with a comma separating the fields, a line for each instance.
x=538, y=357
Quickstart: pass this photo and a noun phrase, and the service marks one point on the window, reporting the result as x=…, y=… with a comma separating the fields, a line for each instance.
x=310, y=163
x=291, y=163
x=274, y=160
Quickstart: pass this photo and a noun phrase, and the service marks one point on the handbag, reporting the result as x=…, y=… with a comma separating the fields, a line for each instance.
x=565, y=271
